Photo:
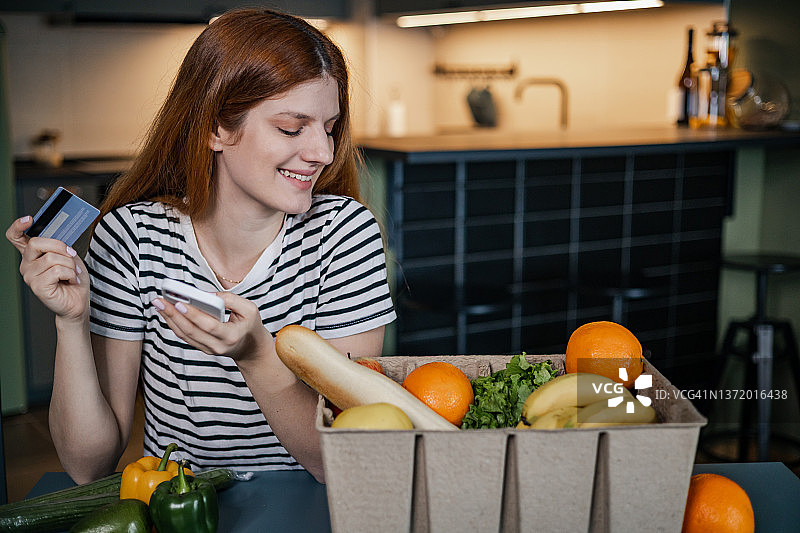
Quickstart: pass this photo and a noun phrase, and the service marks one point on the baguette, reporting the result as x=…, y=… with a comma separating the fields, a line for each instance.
x=344, y=382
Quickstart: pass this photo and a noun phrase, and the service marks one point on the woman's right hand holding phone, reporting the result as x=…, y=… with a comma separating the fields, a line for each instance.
x=53, y=271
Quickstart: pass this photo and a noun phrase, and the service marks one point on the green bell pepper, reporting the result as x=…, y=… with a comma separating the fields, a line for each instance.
x=185, y=504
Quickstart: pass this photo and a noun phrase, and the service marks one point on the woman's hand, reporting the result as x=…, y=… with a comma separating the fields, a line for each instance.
x=53, y=271
x=241, y=338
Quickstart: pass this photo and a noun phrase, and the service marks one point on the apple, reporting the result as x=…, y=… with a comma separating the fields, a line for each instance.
x=368, y=362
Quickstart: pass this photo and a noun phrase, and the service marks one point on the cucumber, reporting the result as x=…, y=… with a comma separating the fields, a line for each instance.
x=63, y=508
x=101, y=486
x=221, y=478
x=129, y=516
x=45, y=517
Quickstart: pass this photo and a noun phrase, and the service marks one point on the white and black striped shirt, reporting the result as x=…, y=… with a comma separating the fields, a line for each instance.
x=325, y=271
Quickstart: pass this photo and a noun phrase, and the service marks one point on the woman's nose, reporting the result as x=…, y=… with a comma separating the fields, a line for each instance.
x=319, y=147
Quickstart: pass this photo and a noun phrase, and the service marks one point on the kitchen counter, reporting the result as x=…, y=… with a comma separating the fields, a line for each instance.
x=25, y=170
x=556, y=141
x=291, y=501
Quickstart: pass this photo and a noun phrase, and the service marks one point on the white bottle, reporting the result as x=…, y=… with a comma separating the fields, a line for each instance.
x=396, y=116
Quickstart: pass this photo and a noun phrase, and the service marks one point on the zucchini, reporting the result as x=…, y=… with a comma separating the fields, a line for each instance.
x=50, y=516
x=101, y=486
x=61, y=509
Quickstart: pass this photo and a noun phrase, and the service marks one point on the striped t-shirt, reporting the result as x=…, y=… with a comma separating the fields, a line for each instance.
x=325, y=271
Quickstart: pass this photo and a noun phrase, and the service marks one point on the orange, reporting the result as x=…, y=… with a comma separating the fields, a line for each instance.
x=443, y=387
x=716, y=504
x=603, y=348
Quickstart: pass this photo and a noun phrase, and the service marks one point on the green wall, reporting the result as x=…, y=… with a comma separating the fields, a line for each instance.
x=12, y=362
x=765, y=219
x=768, y=42
x=767, y=188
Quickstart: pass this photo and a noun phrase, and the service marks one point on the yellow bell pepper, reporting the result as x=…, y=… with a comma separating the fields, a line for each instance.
x=141, y=477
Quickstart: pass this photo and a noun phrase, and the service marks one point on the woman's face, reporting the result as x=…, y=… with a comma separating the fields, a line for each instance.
x=285, y=143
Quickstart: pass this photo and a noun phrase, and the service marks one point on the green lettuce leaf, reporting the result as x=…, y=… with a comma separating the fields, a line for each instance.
x=499, y=398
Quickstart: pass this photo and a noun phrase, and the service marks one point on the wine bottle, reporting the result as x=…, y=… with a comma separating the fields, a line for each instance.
x=685, y=83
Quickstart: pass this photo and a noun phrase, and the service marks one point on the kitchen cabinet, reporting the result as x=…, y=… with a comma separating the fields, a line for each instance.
x=166, y=11
x=89, y=180
x=507, y=244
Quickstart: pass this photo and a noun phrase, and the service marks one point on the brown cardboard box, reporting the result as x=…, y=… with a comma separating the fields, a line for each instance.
x=618, y=479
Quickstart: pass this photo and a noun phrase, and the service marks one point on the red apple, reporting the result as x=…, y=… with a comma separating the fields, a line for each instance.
x=369, y=362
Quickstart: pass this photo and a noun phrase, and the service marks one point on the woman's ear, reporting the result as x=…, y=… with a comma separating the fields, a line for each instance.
x=215, y=140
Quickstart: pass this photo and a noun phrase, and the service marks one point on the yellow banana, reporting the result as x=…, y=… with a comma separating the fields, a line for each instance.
x=555, y=419
x=575, y=389
x=599, y=414
x=522, y=425
x=582, y=413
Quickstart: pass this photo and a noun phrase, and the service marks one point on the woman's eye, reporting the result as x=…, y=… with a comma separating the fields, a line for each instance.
x=290, y=133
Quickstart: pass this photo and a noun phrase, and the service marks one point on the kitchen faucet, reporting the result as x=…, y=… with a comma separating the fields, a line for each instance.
x=527, y=82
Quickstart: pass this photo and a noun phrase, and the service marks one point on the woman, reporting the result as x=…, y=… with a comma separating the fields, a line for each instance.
x=247, y=187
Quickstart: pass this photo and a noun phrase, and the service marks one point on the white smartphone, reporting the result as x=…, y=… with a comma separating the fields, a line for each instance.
x=175, y=291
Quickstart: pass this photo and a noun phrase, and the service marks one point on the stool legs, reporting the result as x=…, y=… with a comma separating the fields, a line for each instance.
x=758, y=356
x=746, y=415
x=785, y=329
x=763, y=360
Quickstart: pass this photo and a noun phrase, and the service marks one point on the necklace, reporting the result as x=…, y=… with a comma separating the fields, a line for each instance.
x=223, y=278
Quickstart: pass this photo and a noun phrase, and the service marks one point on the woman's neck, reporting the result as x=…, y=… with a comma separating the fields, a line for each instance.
x=232, y=242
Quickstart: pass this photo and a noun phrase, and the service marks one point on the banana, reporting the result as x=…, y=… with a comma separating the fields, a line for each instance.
x=575, y=389
x=555, y=419
x=522, y=425
x=580, y=413
x=599, y=414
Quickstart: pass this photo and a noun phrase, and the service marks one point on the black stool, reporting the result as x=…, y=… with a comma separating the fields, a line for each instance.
x=447, y=300
x=621, y=291
x=758, y=353
x=3, y=485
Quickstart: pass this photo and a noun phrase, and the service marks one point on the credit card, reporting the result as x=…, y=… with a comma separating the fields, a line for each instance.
x=63, y=216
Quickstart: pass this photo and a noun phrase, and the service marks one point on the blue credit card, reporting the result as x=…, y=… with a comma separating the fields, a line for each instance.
x=63, y=216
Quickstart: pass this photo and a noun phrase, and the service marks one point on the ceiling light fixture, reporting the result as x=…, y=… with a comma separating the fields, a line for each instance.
x=485, y=15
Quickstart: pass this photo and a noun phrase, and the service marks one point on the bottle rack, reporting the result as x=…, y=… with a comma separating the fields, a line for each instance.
x=473, y=72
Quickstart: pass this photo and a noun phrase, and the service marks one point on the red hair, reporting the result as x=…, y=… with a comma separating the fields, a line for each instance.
x=240, y=59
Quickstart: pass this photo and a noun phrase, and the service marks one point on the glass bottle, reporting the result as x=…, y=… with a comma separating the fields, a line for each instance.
x=719, y=56
x=685, y=84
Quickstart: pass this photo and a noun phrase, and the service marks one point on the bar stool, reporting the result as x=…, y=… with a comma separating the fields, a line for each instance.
x=460, y=304
x=621, y=292
x=3, y=485
x=758, y=353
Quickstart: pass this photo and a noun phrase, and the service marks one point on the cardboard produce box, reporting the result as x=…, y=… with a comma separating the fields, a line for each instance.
x=615, y=479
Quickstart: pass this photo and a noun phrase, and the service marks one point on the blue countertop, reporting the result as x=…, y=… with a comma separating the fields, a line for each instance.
x=292, y=501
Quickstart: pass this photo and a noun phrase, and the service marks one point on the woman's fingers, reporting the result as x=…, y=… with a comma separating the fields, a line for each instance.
x=16, y=232
x=38, y=246
x=199, y=329
x=240, y=306
x=241, y=333
x=40, y=255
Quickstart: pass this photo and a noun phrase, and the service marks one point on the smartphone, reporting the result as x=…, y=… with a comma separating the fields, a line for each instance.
x=175, y=291
x=63, y=216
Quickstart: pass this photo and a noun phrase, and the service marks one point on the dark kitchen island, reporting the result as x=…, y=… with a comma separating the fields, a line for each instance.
x=506, y=242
